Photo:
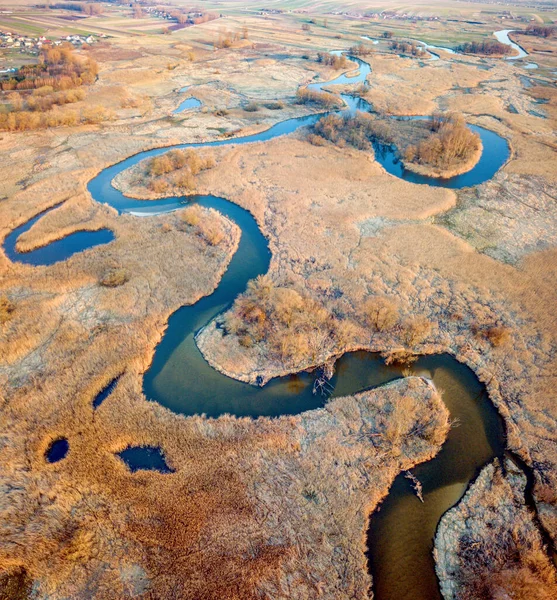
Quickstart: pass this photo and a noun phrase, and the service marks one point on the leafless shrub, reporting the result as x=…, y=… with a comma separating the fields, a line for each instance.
x=337, y=62
x=115, y=278
x=176, y=168
x=380, y=313
x=498, y=335
x=415, y=330
x=251, y=107
x=276, y=105
x=293, y=326
x=7, y=308
x=324, y=99
x=486, y=47
x=316, y=140
x=355, y=130
x=451, y=141
x=208, y=229
x=361, y=50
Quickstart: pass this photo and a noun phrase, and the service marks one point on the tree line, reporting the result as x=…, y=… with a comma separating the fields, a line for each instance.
x=487, y=47
x=407, y=48
x=29, y=97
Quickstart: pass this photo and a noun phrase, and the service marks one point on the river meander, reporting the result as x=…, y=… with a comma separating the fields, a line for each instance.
x=401, y=533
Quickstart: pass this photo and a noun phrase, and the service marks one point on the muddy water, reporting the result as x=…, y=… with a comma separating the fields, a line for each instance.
x=401, y=534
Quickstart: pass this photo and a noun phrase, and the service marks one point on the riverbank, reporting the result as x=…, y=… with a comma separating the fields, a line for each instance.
x=519, y=562
x=459, y=168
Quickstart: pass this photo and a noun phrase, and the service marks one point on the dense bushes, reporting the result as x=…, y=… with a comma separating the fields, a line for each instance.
x=209, y=229
x=53, y=82
x=7, y=308
x=337, y=62
x=27, y=121
x=294, y=326
x=305, y=96
x=408, y=48
x=447, y=141
x=355, y=130
x=360, y=50
x=486, y=47
x=544, y=31
x=450, y=142
x=176, y=168
x=114, y=277
x=59, y=68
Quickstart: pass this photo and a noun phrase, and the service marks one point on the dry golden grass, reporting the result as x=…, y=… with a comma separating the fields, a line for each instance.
x=489, y=546
x=227, y=522
x=343, y=234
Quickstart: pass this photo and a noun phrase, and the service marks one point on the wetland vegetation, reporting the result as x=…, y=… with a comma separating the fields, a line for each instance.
x=214, y=335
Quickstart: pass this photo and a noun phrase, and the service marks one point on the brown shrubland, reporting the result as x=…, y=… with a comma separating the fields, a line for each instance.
x=323, y=99
x=381, y=313
x=450, y=142
x=332, y=60
x=211, y=231
x=487, y=47
x=7, y=308
x=489, y=546
x=290, y=324
x=408, y=48
x=175, y=168
x=115, y=277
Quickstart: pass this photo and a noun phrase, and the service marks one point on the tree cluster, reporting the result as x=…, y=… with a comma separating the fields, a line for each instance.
x=487, y=48
x=544, y=31
x=332, y=60
x=31, y=120
x=357, y=130
x=59, y=68
x=293, y=325
x=360, y=50
x=88, y=9
x=407, y=48
x=450, y=141
x=209, y=229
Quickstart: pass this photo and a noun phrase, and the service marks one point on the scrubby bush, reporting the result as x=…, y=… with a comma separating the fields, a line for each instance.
x=275, y=105
x=176, y=168
x=209, y=229
x=415, y=330
x=7, y=308
x=316, y=140
x=293, y=326
x=380, y=313
x=114, y=277
x=251, y=107
x=323, y=99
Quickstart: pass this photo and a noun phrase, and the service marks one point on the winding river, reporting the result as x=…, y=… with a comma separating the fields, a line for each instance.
x=401, y=533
